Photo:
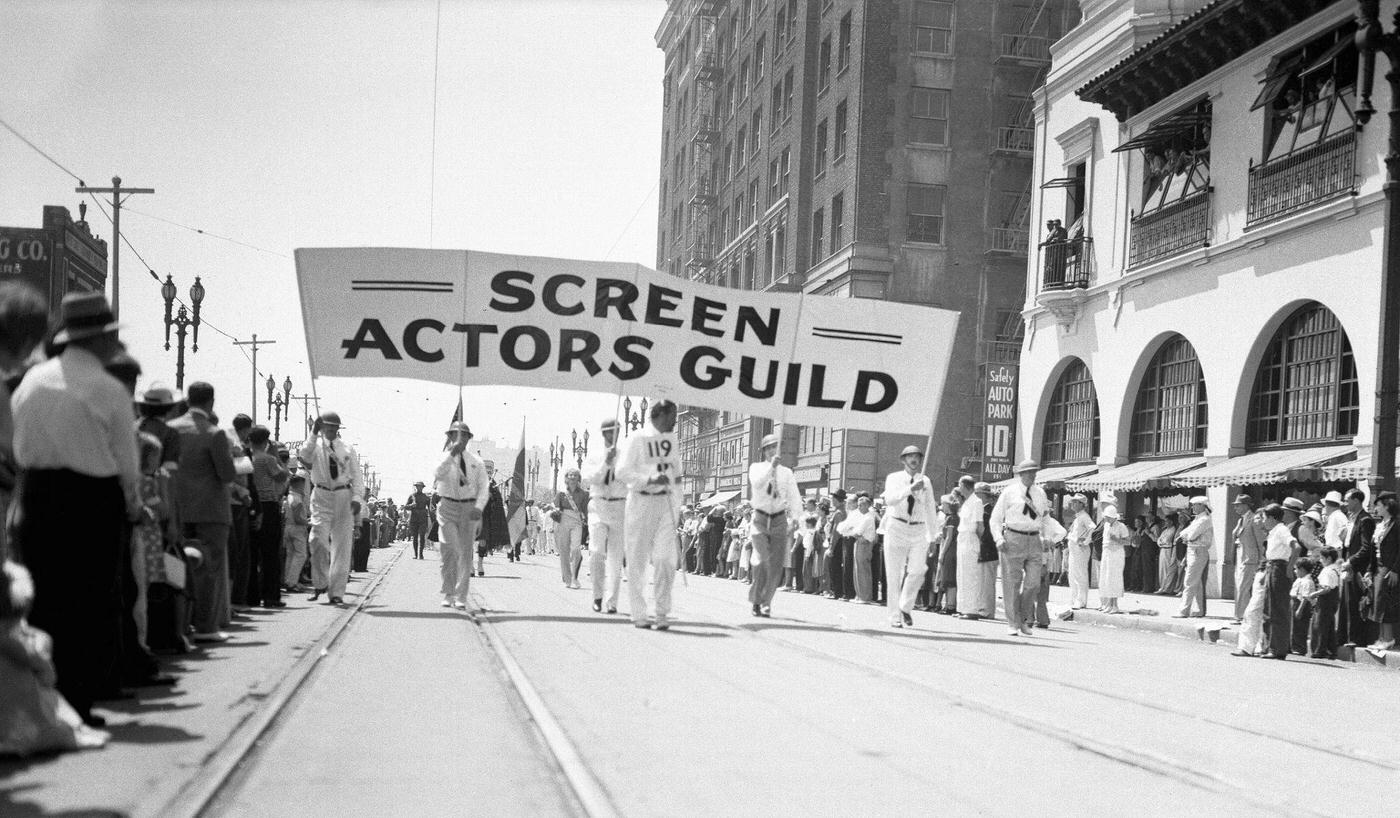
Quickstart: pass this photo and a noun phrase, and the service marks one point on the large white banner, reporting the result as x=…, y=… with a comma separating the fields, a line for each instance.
x=473, y=318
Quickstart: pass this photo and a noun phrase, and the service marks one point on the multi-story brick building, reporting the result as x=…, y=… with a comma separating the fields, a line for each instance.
x=858, y=149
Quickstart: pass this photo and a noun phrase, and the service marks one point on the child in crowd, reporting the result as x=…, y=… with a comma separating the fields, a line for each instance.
x=1251, y=642
x=806, y=536
x=1303, y=588
x=1322, y=629
x=34, y=717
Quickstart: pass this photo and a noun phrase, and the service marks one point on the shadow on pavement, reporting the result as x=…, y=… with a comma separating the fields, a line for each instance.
x=139, y=733
x=445, y=613
x=141, y=706
x=10, y=808
x=956, y=638
x=597, y=619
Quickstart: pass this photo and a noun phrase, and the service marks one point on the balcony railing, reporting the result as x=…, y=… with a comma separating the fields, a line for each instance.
x=706, y=129
x=1014, y=140
x=1173, y=229
x=1302, y=178
x=1067, y=263
x=702, y=190
x=1013, y=240
x=1025, y=49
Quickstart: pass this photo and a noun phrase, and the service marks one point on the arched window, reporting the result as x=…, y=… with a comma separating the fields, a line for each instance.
x=1072, y=421
x=1306, y=389
x=1169, y=415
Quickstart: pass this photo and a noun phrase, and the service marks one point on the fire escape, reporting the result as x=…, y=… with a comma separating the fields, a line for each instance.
x=704, y=133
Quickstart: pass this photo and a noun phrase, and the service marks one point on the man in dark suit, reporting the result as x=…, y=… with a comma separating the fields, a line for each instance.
x=202, y=497
x=1357, y=556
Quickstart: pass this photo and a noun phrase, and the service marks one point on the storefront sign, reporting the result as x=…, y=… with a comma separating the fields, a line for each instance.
x=999, y=424
x=25, y=254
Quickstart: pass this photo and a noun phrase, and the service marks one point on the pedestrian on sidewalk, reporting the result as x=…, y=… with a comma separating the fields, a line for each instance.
x=462, y=489
x=908, y=534
x=1081, y=532
x=1322, y=628
x=1018, y=524
x=269, y=481
x=860, y=525
x=1249, y=537
x=1301, y=595
x=1198, y=538
x=943, y=562
x=294, y=533
x=202, y=499
x=1384, y=579
x=1115, y=540
x=333, y=468
x=1169, y=576
x=777, y=506
x=651, y=467
x=1278, y=615
x=607, y=506
x=1252, y=640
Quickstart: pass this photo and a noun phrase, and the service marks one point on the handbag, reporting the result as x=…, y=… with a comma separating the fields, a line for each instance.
x=173, y=563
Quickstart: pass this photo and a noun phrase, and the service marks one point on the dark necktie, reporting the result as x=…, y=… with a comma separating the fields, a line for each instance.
x=608, y=478
x=1030, y=508
x=461, y=470
x=772, y=480
x=910, y=505
x=330, y=461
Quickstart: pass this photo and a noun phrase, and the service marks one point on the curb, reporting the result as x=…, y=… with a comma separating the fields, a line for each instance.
x=1205, y=629
x=210, y=778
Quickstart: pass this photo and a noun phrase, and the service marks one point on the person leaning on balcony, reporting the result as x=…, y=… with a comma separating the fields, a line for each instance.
x=1198, y=537
x=1249, y=535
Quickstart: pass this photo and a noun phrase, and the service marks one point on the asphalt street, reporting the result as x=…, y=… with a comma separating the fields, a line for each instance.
x=821, y=710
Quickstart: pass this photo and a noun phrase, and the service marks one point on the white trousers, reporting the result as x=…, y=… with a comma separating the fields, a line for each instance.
x=332, y=538
x=295, y=542
x=458, y=548
x=651, y=540
x=569, y=538
x=906, y=562
x=1079, y=558
x=970, y=575
x=605, y=544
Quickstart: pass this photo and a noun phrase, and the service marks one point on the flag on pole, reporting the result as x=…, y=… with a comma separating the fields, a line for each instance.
x=515, y=504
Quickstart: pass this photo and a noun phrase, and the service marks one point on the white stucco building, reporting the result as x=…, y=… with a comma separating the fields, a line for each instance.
x=1204, y=318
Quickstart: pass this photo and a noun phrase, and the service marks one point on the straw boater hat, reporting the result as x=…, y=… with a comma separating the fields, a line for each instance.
x=1294, y=505
x=1200, y=500
x=84, y=315
x=162, y=396
x=1079, y=498
x=768, y=440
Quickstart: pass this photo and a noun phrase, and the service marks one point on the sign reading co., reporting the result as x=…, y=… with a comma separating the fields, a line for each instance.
x=999, y=422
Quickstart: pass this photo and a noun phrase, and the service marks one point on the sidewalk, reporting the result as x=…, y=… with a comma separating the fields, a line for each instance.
x=165, y=739
x=1154, y=613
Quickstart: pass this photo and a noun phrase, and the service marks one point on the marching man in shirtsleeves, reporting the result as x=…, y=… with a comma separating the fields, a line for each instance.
x=651, y=467
x=777, y=506
x=909, y=525
x=463, y=487
x=333, y=468
x=607, y=499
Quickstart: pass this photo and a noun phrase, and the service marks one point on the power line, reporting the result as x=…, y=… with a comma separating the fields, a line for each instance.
x=203, y=232
x=21, y=137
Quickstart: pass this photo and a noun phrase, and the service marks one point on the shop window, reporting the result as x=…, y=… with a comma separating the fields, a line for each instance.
x=1306, y=389
x=1072, y=421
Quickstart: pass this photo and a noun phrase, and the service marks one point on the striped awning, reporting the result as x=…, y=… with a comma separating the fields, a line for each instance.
x=1358, y=469
x=717, y=498
x=1136, y=476
x=1051, y=477
x=1268, y=467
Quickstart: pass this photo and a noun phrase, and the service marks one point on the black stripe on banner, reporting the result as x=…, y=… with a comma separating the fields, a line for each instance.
x=855, y=338
x=404, y=289
x=862, y=333
x=399, y=281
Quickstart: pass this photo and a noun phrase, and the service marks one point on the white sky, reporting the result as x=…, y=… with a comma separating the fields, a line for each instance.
x=309, y=124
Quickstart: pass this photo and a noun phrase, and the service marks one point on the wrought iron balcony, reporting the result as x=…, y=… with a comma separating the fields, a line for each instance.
x=1067, y=263
x=702, y=190
x=1015, y=141
x=1176, y=228
x=1024, y=49
x=1015, y=241
x=706, y=130
x=699, y=253
x=1302, y=178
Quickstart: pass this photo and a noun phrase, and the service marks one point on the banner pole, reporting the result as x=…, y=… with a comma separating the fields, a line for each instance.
x=929, y=443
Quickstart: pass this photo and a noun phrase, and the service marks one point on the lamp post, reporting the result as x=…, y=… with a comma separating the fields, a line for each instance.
x=1371, y=38
x=580, y=447
x=556, y=459
x=182, y=321
x=633, y=421
x=279, y=404
x=532, y=471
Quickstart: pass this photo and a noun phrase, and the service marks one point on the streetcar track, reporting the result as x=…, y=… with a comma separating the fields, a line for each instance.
x=1160, y=708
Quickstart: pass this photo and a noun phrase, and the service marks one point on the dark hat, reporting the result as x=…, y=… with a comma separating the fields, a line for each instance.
x=459, y=426
x=608, y=423
x=1245, y=499
x=331, y=419
x=419, y=483
x=84, y=315
x=839, y=494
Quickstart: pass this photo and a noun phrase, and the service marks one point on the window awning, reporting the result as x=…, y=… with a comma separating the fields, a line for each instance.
x=1143, y=474
x=717, y=498
x=1166, y=128
x=1342, y=44
x=1063, y=181
x=1052, y=477
x=1273, y=84
x=1267, y=467
x=1358, y=469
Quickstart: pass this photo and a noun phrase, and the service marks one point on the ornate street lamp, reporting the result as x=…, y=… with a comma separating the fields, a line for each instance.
x=580, y=448
x=183, y=321
x=556, y=459
x=532, y=471
x=279, y=405
x=633, y=421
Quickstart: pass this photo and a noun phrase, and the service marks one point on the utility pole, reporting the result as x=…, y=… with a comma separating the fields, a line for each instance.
x=116, y=190
x=306, y=401
x=255, y=343
x=1372, y=38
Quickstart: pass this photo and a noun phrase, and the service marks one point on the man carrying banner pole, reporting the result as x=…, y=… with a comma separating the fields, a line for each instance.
x=651, y=467
x=463, y=488
x=607, y=498
x=908, y=532
x=777, y=506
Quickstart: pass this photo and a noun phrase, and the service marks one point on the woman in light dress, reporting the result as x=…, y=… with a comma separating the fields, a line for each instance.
x=1115, y=543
